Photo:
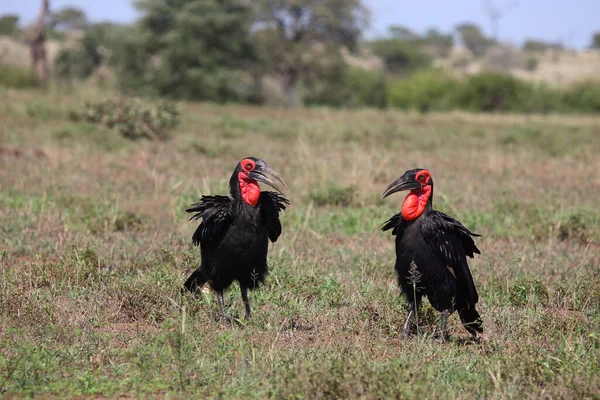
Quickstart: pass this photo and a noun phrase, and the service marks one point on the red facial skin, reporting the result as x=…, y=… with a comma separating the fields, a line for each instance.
x=249, y=187
x=415, y=202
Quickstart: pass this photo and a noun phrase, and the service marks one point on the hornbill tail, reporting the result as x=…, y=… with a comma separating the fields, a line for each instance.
x=471, y=320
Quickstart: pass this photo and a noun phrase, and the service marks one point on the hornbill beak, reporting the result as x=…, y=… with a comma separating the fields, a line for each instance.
x=400, y=184
x=263, y=173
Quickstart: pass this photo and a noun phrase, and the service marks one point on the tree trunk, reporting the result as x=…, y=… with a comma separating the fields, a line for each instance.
x=37, y=46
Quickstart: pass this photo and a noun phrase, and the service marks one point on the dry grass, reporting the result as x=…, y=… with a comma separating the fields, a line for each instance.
x=564, y=68
x=96, y=245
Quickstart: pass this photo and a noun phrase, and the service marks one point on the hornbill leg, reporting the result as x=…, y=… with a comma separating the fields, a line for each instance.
x=408, y=322
x=443, y=325
x=244, y=291
x=224, y=318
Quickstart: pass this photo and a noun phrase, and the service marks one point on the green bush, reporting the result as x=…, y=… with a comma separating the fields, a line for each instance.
x=526, y=290
x=491, y=91
x=132, y=118
x=583, y=97
x=17, y=77
x=539, y=98
x=9, y=24
x=79, y=61
x=498, y=92
x=424, y=91
x=355, y=87
x=532, y=64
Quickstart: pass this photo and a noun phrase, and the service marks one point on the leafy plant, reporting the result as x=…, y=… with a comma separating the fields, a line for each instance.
x=133, y=118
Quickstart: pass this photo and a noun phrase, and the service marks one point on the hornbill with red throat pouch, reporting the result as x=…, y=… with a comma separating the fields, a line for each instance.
x=234, y=232
x=431, y=255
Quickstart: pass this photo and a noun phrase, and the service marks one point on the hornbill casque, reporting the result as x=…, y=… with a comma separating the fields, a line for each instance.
x=431, y=255
x=234, y=232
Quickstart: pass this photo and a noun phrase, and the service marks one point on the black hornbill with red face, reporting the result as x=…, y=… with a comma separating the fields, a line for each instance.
x=234, y=232
x=431, y=254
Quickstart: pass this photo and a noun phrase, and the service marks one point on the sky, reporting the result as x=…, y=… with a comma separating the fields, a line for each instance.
x=569, y=22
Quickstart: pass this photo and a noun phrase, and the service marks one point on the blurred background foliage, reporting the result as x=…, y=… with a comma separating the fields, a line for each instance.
x=292, y=53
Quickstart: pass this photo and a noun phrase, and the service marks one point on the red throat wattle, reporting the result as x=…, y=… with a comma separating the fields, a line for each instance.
x=415, y=203
x=249, y=188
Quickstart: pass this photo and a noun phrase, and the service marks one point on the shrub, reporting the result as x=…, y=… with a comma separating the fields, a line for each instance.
x=132, y=118
x=532, y=64
x=355, y=88
x=583, y=97
x=525, y=290
x=17, y=77
x=490, y=91
x=9, y=24
x=79, y=61
x=424, y=91
x=539, y=98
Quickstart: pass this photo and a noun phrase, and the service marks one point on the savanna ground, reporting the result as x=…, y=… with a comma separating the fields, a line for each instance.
x=96, y=244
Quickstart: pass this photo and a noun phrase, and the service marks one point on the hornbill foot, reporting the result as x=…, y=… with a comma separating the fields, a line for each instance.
x=442, y=338
x=475, y=338
x=406, y=329
x=195, y=294
x=246, y=302
x=224, y=318
x=472, y=339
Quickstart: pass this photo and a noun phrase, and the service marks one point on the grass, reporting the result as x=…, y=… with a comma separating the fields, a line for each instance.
x=95, y=244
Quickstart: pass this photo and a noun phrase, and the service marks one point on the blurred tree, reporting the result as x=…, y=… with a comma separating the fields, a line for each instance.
x=194, y=49
x=9, y=24
x=36, y=38
x=539, y=45
x=401, y=33
x=109, y=38
x=473, y=39
x=440, y=43
x=400, y=56
x=67, y=19
x=404, y=50
x=300, y=41
x=496, y=13
x=101, y=44
x=595, y=41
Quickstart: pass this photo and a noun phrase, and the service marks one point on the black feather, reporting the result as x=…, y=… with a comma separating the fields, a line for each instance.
x=216, y=213
x=393, y=223
x=452, y=243
x=271, y=204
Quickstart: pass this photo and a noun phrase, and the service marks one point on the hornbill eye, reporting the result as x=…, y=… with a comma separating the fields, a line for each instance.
x=422, y=178
x=248, y=164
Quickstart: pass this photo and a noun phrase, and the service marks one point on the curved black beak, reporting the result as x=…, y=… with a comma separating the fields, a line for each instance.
x=265, y=174
x=400, y=184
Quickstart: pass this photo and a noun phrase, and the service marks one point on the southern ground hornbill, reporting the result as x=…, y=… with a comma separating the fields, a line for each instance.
x=431, y=255
x=234, y=232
